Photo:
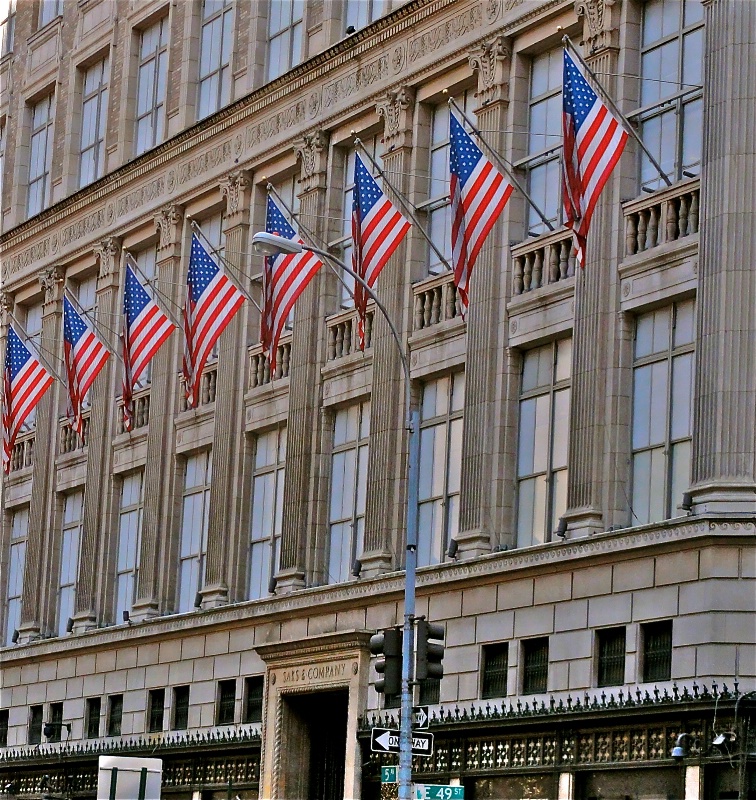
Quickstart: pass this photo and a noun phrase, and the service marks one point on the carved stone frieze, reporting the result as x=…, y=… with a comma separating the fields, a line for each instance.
x=601, y=23
x=107, y=252
x=396, y=109
x=236, y=187
x=491, y=62
x=168, y=224
x=51, y=279
x=312, y=152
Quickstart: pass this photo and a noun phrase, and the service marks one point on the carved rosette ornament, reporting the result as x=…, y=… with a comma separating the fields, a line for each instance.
x=51, y=279
x=601, y=23
x=236, y=188
x=107, y=252
x=312, y=152
x=396, y=109
x=491, y=62
x=168, y=222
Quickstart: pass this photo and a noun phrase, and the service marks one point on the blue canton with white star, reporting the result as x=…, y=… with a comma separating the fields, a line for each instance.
x=366, y=191
x=202, y=269
x=135, y=298
x=577, y=96
x=275, y=222
x=74, y=326
x=17, y=354
x=464, y=154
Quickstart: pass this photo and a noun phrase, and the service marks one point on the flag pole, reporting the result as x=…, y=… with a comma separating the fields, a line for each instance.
x=149, y=282
x=405, y=204
x=629, y=129
x=98, y=330
x=310, y=235
x=229, y=267
x=500, y=162
x=25, y=336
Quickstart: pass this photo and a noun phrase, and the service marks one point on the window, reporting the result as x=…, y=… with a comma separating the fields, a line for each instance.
x=35, y=724
x=2, y=165
x=147, y=262
x=284, y=36
x=86, y=296
x=152, y=79
x=40, y=154
x=288, y=192
x=543, y=440
x=7, y=26
x=194, y=520
x=440, y=459
x=155, y=710
x=180, y=708
x=360, y=13
x=129, y=542
x=611, y=657
x=430, y=692
x=92, y=718
x=671, y=112
x=3, y=727
x=657, y=651
x=267, y=510
x=16, y=562
x=495, y=670
x=535, y=670
x=33, y=323
x=216, y=43
x=253, y=698
x=226, y=702
x=212, y=229
x=54, y=731
x=438, y=206
x=348, y=485
x=94, y=120
x=115, y=714
x=662, y=399
x=544, y=139
x=49, y=10
x=73, y=519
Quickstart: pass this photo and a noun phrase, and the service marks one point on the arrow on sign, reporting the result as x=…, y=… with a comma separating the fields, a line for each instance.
x=420, y=716
x=386, y=740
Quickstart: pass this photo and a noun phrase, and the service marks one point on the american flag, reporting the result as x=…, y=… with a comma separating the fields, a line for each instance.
x=285, y=277
x=145, y=327
x=25, y=380
x=212, y=299
x=593, y=144
x=377, y=230
x=85, y=355
x=478, y=195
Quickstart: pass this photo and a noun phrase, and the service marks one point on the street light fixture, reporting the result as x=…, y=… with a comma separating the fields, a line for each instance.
x=269, y=244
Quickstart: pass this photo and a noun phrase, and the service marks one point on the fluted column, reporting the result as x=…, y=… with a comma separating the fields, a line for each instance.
x=305, y=421
x=724, y=428
x=223, y=541
x=387, y=457
x=157, y=573
x=487, y=297
x=37, y=603
x=98, y=488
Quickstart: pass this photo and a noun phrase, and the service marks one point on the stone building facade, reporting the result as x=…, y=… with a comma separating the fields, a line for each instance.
x=203, y=587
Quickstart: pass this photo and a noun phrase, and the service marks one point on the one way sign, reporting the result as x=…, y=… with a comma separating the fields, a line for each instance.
x=385, y=740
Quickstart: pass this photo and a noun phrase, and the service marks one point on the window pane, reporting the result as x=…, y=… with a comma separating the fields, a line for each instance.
x=682, y=394
x=684, y=323
x=692, y=135
x=680, y=480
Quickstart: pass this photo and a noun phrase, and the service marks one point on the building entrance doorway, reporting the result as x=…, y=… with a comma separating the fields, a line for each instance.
x=314, y=745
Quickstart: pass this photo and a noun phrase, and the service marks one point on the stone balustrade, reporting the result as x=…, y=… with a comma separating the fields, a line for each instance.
x=70, y=441
x=664, y=216
x=140, y=410
x=207, y=387
x=342, y=333
x=435, y=300
x=548, y=259
x=259, y=366
x=22, y=455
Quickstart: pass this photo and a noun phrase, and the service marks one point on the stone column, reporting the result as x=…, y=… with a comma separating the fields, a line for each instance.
x=487, y=294
x=157, y=576
x=594, y=331
x=386, y=496
x=305, y=388
x=724, y=428
x=224, y=534
x=37, y=603
x=99, y=480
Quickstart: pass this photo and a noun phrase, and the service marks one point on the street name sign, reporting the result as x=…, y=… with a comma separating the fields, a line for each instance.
x=386, y=740
x=435, y=791
x=389, y=775
x=420, y=717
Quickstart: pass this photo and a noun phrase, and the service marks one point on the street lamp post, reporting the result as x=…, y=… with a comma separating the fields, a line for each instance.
x=270, y=244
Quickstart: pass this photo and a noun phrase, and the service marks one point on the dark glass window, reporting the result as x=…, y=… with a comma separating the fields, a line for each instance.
x=430, y=692
x=392, y=700
x=611, y=657
x=495, y=669
x=180, y=708
x=657, y=651
x=115, y=713
x=253, y=698
x=53, y=732
x=155, y=708
x=35, y=724
x=226, y=702
x=535, y=673
x=94, y=709
x=3, y=727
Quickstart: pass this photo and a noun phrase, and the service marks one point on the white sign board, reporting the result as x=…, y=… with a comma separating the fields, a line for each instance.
x=120, y=778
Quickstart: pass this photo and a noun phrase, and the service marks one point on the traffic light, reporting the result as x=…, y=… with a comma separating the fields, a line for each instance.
x=387, y=645
x=429, y=653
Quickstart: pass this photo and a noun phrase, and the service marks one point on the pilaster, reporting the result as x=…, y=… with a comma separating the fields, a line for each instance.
x=160, y=467
x=224, y=534
x=386, y=497
x=724, y=428
x=491, y=62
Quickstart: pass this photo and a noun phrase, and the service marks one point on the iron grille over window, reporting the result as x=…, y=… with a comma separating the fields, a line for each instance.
x=35, y=724
x=536, y=665
x=94, y=706
x=4, y=727
x=657, y=651
x=253, y=698
x=495, y=668
x=56, y=722
x=430, y=692
x=611, y=657
x=155, y=712
x=180, y=708
x=115, y=713
x=226, y=702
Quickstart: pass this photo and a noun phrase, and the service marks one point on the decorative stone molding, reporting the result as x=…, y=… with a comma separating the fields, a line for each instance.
x=6, y=305
x=396, y=109
x=491, y=62
x=601, y=28
x=236, y=187
x=168, y=224
x=107, y=252
x=312, y=152
x=51, y=279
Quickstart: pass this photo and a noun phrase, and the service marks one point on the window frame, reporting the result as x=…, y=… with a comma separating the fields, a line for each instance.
x=251, y=702
x=221, y=69
x=222, y=717
x=499, y=672
x=199, y=555
x=176, y=723
x=535, y=667
x=115, y=715
x=56, y=722
x=4, y=724
x=35, y=724
x=18, y=539
x=375, y=10
x=157, y=90
x=608, y=640
x=129, y=570
x=74, y=528
x=100, y=97
x=155, y=710
x=287, y=32
x=45, y=16
x=658, y=628
x=93, y=714
x=45, y=129
x=7, y=28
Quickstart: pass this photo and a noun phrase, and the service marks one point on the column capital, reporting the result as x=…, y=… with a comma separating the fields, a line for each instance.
x=312, y=152
x=107, y=251
x=491, y=61
x=51, y=279
x=236, y=187
x=600, y=24
x=396, y=109
x=168, y=223
x=6, y=304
